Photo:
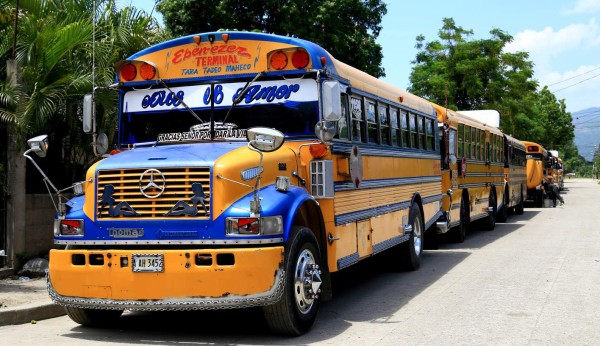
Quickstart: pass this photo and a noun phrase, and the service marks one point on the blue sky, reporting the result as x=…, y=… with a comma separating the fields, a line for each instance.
x=562, y=37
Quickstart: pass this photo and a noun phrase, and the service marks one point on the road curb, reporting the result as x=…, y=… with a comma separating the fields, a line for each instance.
x=29, y=313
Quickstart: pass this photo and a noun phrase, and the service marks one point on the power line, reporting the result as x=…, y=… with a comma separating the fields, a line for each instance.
x=568, y=86
x=579, y=75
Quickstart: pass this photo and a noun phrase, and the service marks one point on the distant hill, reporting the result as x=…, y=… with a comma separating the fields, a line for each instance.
x=587, y=133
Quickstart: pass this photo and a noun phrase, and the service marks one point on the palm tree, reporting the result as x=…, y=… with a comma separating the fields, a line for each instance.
x=56, y=44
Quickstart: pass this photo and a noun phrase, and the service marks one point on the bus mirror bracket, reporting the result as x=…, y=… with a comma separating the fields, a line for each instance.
x=262, y=139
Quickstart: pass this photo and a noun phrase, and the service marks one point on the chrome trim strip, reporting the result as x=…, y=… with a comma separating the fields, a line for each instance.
x=379, y=183
x=175, y=304
x=237, y=241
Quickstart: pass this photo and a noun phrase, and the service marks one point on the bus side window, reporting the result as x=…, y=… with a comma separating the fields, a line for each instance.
x=429, y=134
x=357, y=123
x=468, y=142
x=342, y=125
x=461, y=141
x=404, y=128
x=412, y=124
x=384, y=125
x=421, y=128
x=395, y=125
x=474, y=141
x=371, y=123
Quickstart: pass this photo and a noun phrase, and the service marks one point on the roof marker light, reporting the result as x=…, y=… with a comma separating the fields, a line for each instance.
x=147, y=71
x=128, y=72
x=323, y=61
x=278, y=60
x=225, y=37
x=197, y=39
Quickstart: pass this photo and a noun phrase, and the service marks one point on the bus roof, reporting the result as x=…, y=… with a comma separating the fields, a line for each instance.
x=237, y=54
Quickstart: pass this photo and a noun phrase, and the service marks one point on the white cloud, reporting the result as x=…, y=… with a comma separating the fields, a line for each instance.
x=584, y=6
x=549, y=42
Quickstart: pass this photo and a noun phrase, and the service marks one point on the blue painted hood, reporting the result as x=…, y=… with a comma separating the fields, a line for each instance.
x=179, y=155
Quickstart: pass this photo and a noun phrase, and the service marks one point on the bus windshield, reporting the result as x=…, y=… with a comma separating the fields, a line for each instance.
x=157, y=115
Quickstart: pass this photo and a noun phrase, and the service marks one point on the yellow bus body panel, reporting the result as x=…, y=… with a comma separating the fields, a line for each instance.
x=254, y=271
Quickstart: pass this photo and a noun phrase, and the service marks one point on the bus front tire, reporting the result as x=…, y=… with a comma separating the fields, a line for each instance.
x=519, y=207
x=459, y=234
x=93, y=317
x=502, y=214
x=296, y=311
x=412, y=250
x=491, y=218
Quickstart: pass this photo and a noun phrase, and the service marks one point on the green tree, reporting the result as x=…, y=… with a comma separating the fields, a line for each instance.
x=552, y=113
x=348, y=29
x=467, y=74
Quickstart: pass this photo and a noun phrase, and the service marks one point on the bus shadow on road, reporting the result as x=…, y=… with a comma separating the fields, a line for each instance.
x=368, y=292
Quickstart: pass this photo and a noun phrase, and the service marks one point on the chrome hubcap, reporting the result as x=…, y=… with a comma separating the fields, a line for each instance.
x=417, y=236
x=307, y=281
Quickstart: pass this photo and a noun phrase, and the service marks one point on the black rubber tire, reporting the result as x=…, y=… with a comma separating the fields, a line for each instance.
x=286, y=316
x=459, y=234
x=520, y=206
x=412, y=250
x=502, y=214
x=93, y=317
x=490, y=220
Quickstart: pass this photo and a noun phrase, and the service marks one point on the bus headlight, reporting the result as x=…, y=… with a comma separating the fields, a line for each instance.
x=254, y=225
x=68, y=227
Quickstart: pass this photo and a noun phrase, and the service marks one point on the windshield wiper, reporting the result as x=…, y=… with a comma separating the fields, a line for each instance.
x=240, y=96
x=182, y=102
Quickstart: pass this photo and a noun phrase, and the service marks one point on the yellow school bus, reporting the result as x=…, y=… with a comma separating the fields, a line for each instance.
x=537, y=165
x=248, y=168
x=515, y=175
x=472, y=172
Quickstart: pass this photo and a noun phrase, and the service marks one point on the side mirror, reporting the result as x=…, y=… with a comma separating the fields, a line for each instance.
x=88, y=110
x=332, y=100
x=39, y=145
x=264, y=139
x=325, y=130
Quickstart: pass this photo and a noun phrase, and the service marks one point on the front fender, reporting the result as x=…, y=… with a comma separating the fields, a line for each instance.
x=273, y=203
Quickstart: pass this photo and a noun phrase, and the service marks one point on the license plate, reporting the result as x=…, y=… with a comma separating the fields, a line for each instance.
x=148, y=263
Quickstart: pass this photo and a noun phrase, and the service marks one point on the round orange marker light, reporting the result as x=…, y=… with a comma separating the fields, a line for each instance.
x=147, y=71
x=300, y=59
x=318, y=150
x=279, y=60
x=128, y=72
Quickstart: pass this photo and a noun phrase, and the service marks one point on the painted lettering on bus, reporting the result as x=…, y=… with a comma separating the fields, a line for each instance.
x=184, y=54
x=216, y=60
x=268, y=93
x=161, y=98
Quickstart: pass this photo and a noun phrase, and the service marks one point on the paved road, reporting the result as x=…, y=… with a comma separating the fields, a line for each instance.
x=534, y=280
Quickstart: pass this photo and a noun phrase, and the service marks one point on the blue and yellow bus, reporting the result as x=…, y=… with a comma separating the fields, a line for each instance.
x=248, y=168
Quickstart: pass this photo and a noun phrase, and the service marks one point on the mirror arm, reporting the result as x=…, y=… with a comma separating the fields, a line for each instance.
x=46, y=179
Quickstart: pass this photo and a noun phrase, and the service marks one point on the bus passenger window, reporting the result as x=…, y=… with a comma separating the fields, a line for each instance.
x=342, y=125
x=371, y=123
x=357, y=123
x=461, y=140
x=404, y=128
x=481, y=145
x=395, y=127
x=421, y=122
x=474, y=141
x=468, y=142
x=384, y=125
x=412, y=124
x=429, y=133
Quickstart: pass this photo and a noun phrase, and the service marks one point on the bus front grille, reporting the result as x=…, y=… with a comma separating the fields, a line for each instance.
x=153, y=193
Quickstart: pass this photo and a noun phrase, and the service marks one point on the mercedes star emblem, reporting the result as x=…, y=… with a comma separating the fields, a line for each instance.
x=156, y=185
